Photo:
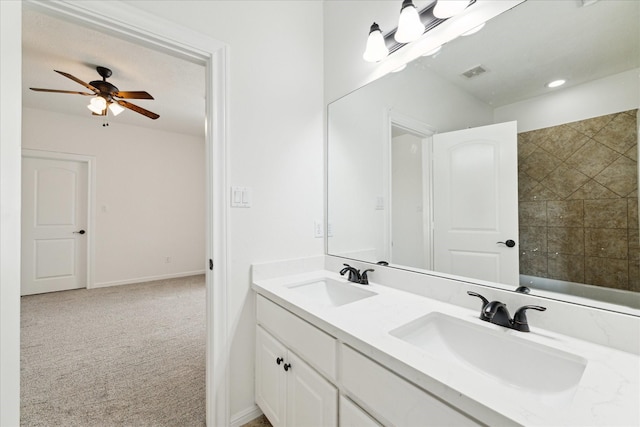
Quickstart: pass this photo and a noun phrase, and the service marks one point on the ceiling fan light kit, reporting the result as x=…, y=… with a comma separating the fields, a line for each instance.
x=106, y=96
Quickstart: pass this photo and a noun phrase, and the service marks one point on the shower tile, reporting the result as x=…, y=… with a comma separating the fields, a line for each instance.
x=612, y=273
x=592, y=158
x=539, y=164
x=593, y=190
x=533, y=239
x=565, y=213
x=632, y=210
x=526, y=146
x=606, y=243
x=619, y=134
x=632, y=153
x=539, y=193
x=590, y=127
x=605, y=213
x=620, y=177
x=533, y=263
x=563, y=142
x=566, y=267
x=566, y=240
x=564, y=181
x=533, y=213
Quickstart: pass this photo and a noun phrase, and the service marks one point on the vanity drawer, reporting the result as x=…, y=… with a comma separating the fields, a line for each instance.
x=314, y=346
x=391, y=399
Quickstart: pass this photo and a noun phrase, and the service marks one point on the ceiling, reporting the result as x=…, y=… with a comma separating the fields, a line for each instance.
x=49, y=43
x=539, y=41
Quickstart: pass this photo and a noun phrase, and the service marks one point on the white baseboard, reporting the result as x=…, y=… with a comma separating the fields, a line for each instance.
x=146, y=279
x=245, y=416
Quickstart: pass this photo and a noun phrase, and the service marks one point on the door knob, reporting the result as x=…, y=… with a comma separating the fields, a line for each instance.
x=79, y=232
x=510, y=243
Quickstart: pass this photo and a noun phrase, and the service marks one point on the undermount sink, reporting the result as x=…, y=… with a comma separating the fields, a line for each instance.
x=331, y=292
x=498, y=353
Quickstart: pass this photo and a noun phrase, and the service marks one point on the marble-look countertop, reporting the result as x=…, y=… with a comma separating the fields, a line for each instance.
x=607, y=395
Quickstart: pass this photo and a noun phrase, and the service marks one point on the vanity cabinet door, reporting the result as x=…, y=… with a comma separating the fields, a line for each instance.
x=352, y=416
x=289, y=391
x=311, y=400
x=270, y=381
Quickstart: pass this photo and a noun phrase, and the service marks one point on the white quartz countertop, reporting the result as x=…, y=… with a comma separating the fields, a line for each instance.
x=607, y=395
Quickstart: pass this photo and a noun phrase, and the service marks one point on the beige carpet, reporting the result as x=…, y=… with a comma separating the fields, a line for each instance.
x=121, y=356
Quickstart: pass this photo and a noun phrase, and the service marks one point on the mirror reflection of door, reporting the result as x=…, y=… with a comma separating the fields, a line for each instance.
x=410, y=205
x=476, y=203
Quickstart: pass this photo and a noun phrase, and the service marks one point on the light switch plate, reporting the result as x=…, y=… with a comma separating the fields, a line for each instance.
x=240, y=197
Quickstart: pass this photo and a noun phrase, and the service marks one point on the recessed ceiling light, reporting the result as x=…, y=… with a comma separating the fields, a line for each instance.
x=556, y=83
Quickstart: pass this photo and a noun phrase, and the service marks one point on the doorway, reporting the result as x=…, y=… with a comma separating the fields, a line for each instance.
x=56, y=218
x=117, y=18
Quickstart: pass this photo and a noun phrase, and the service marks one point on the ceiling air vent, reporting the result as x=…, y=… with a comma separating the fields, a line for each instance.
x=474, y=72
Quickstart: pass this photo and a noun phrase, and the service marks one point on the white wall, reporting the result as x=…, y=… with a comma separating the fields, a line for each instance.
x=613, y=94
x=150, y=193
x=275, y=144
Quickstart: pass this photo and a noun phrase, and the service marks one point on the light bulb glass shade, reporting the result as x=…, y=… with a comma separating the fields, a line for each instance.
x=447, y=8
x=98, y=102
x=376, y=47
x=94, y=109
x=410, y=28
x=116, y=108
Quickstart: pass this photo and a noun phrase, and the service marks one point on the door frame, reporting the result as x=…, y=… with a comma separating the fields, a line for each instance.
x=394, y=118
x=138, y=26
x=90, y=161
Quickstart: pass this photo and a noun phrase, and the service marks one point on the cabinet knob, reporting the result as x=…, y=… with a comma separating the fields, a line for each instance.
x=279, y=360
x=287, y=366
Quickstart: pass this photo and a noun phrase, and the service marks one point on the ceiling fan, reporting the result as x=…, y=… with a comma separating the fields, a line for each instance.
x=105, y=95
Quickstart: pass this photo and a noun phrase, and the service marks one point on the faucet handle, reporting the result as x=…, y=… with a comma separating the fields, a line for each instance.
x=364, y=280
x=484, y=304
x=520, y=318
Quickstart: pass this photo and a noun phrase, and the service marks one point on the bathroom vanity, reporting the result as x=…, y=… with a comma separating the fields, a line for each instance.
x=330, y=352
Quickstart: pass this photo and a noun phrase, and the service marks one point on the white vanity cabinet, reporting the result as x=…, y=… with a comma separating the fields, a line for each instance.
x=351, y=415
x=288, y=390
x=392, y=399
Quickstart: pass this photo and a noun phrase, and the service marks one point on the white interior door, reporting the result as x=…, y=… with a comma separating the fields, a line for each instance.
x=54, y=225
x=476, y=203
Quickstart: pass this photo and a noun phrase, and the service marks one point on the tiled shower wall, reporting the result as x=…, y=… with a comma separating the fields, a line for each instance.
x=578, y=191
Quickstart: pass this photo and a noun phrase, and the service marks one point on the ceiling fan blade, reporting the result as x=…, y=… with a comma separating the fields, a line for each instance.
x=137, y=109
x=139, y=94
x=77, y=80
x=37, y=89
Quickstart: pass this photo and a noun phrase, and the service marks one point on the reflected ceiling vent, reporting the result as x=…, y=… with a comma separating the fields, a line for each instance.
x=474, y=72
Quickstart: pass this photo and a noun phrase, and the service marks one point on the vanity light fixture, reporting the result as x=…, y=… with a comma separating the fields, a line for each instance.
x=376, y=47
x=447, y=8
x=411, y=26
x=556, y=83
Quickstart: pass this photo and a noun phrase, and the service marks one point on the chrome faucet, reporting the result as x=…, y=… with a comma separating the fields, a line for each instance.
x=496, y=312
x=355, y=276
